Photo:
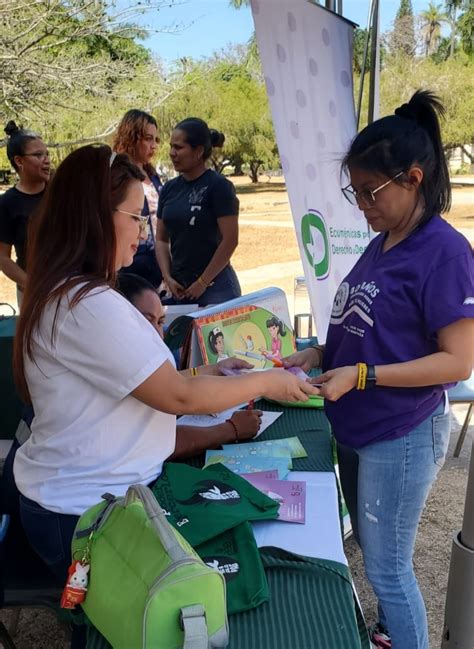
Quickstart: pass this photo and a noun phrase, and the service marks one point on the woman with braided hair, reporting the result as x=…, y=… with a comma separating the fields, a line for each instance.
x=400, y=332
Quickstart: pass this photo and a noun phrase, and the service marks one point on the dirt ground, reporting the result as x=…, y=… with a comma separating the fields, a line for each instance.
x=265, y=218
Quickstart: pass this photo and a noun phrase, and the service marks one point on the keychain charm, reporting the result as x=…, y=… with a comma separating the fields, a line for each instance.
x=74, y=592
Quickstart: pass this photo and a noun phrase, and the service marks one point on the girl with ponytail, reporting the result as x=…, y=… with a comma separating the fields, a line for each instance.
x=400, y=332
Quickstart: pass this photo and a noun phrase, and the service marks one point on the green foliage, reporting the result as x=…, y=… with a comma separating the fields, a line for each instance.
x=452, y=81
x=229, y=94
x=432, y=20
x=65, y=64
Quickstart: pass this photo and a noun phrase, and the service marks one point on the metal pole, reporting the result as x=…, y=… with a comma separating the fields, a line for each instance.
x=331, y=4
x=374, y=87
x=458, y=632
x=340, y=9
x=364, y=63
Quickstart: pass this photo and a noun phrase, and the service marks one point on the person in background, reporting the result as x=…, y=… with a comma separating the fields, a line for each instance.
x=198, y=228
x=137, y=136
x=102, y=384
x=29, y=157
x=401, y=330
x=190, y=440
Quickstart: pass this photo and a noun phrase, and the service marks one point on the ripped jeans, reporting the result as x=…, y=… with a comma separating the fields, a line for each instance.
x=393, y=482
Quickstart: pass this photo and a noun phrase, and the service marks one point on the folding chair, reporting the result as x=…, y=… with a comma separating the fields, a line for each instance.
x=463, y=392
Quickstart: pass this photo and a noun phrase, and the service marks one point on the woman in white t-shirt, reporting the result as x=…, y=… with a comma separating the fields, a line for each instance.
x=103, y=385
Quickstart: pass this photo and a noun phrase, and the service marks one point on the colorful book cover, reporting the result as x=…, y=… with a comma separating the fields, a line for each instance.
x=247, y=332
x=291, y=494
x=264, y=475
x=296, y=448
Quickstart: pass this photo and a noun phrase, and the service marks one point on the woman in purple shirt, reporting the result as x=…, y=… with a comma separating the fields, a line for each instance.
x=401, y=329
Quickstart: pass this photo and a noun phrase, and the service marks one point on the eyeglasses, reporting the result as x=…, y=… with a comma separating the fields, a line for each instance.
x=141, y=220
x=39, y=155
x=366, y=196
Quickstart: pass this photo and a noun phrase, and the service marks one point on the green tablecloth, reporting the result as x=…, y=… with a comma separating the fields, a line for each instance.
x=309, y=424
x=312, y=604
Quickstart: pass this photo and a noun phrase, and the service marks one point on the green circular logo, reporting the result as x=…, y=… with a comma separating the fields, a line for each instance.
x=316, y=243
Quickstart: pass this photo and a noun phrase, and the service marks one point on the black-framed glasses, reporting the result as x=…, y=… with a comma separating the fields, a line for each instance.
x=142, y=220
x=366, y=197
x=39, y=155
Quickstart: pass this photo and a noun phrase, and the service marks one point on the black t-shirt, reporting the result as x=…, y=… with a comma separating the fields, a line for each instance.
x=190, y=210
x=15, y=209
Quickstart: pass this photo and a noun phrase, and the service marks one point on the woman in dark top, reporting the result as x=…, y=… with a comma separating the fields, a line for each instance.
x=29, y=157
x=197, y=229
x=137, y=136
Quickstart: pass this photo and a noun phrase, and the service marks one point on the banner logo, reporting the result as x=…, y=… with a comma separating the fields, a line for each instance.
x=314, y=236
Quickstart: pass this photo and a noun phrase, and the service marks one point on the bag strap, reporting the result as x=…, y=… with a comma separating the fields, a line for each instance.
x=157, y=517
x=193, y=622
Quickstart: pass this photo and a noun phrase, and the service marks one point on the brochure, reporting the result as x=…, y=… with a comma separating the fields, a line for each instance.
x=291, y=494
x=254, y=464
x=255, y=450
x=296, y=448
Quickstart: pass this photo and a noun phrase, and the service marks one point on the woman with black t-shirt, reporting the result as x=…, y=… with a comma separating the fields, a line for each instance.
x=29, y=157
x=197, y=229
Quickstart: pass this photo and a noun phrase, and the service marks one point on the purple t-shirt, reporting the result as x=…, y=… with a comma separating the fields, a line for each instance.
x=388, y=310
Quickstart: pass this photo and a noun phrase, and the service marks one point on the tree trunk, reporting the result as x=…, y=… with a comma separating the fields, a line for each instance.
x=254, y=167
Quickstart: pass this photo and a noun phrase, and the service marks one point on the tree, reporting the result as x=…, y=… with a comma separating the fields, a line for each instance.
x=402, y=39
x=54, y=51
x=235, y=103
x=431, y=22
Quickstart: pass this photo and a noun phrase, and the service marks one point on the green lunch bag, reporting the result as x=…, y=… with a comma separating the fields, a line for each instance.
x=148, y=588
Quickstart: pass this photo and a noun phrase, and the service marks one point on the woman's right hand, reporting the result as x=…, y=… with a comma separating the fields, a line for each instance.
x=176, y=288
x=306, y=359
x=280, y=385
x=247, y=423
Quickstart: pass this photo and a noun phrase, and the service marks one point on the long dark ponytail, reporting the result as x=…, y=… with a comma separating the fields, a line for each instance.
x=411, y=136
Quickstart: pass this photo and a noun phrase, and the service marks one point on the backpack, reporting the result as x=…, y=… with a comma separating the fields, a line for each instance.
x=148, y=588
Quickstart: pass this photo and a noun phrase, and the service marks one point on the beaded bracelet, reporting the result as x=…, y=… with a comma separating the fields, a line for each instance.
x=235, y=430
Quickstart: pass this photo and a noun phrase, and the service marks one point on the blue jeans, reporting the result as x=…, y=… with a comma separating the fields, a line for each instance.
x=49, y=534
x=394, y=478
x=224, y=287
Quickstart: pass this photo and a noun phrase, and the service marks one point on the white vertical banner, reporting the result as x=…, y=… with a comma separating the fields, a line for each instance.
x=306, y=54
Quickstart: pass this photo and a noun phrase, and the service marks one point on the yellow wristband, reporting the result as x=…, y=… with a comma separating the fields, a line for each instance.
x=194, y=371
x=202, y=282
x=361, y=376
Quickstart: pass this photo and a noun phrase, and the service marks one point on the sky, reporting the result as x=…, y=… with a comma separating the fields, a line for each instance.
x=207, y=26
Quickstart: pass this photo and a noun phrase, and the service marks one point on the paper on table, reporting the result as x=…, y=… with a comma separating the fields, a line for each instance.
x=320, y=536
x=209, y=420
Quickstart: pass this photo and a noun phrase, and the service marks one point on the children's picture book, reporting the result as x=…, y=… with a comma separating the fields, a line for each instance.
x=291, y=494
x=247, y=332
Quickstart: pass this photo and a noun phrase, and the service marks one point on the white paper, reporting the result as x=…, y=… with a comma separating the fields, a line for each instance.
x=320, y=536
x=209, y=420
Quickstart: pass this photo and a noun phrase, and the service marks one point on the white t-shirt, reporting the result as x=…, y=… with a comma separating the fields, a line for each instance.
x=89, y=436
